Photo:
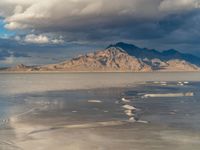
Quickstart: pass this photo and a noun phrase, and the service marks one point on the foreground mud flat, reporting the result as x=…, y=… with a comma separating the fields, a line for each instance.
x=111, y=118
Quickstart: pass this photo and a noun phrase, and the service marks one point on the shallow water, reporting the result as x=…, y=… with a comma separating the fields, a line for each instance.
x=85, y=111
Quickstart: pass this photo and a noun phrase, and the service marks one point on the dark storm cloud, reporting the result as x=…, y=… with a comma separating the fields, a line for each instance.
x=79, y=19
x=96, y=20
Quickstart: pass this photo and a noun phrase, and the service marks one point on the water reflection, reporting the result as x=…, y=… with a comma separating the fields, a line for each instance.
x=96, y=119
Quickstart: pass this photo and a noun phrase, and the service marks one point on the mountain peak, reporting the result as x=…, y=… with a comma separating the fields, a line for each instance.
x=170, y=52
x=123, y=45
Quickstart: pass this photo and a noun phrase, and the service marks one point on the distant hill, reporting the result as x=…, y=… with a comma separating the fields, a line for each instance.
x=152, y=53
x=121, y=57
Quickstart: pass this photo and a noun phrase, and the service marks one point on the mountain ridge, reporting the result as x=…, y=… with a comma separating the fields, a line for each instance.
x=120, y=57
x=165, y=55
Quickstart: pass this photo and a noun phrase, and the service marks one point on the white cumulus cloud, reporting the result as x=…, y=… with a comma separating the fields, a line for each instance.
x=42, y=39
x=57, y=41
x=37, y=39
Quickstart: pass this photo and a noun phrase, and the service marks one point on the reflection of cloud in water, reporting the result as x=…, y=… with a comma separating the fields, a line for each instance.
x=99, y=136
x=64, y=120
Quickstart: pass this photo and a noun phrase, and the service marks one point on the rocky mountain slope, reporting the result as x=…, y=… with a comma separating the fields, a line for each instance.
x=111, y=59
x=166, y=55
x=116, y=59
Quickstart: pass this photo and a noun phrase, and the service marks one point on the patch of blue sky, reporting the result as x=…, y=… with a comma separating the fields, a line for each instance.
x=4, y=33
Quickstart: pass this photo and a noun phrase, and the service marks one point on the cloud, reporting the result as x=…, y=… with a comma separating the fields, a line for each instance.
x=66, y=13
x=17, y=38
x=85, y=20
x=40, y=39
x=15, y=25
x=57, y=41
x=8, y=60
x=8, y=55
x=37, y=39
x=15, y=51
x=72, y=14
x=178, y=5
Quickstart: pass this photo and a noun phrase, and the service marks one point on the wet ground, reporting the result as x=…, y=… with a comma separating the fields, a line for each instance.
x=103, y=118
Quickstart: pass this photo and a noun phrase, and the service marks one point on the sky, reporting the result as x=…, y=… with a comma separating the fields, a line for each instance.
x=49, y=31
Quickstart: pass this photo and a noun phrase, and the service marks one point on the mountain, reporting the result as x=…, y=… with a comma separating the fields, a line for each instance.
x=111, y=59
x=167, y=55
x=121, y=57
x=20, y=67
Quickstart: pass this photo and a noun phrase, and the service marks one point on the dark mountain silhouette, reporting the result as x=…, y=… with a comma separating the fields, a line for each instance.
x=167, y=55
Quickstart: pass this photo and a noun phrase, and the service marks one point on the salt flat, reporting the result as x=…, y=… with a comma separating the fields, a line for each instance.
x=109, y=115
